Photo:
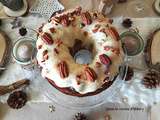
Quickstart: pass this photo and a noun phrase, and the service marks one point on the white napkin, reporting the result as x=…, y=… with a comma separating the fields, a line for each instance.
x=46, y=7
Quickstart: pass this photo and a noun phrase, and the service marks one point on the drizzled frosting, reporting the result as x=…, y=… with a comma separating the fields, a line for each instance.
x=103, y=44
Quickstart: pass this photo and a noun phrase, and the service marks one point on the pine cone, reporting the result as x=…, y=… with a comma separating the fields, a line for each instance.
x=17, y=99
x=151, y=79
x=23, y=31
x=80, y=116
x=127, y=23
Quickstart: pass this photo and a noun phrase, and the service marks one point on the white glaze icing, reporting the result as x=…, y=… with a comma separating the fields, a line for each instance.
x=67, y=35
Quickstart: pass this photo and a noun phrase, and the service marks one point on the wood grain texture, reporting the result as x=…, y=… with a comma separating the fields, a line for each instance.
x=5, y=48
x=119, y=9
x=151, y=52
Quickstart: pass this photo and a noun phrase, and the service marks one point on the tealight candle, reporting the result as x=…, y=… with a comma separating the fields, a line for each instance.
x=133, y=42
x=23, y=51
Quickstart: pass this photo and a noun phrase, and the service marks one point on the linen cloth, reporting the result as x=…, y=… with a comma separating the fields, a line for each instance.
x=132, y=90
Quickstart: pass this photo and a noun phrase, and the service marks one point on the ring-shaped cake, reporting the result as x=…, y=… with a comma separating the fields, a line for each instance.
x=69, y=32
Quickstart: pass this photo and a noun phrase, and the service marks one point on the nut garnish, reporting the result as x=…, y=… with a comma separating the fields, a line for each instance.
x=98, y=64
x=90, y=74
x=47, y=38
x=45, y=52
x=105, y=59
x=86, y=18
x=111, y=31
x=52, y=30
x=56, y=51
x=39, y=46
x=63, y=69
x=65, y=20
x=58, y=42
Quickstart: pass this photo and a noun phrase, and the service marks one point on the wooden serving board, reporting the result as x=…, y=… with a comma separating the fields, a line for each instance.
x=4, y=49
x=152, y=50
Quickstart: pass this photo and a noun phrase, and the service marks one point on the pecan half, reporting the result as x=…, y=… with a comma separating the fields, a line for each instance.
x=90, y=74
x=111, y=31
x=56, y=51
x=86, y=18
x=65, y=20
x=105, y=59
x=58, y=42
x=47, y=38
x=63, y=69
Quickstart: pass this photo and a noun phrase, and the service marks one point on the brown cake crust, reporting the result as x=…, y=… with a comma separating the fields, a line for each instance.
x=72, y=92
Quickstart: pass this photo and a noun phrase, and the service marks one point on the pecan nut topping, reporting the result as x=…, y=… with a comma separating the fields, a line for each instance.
x=86, y=18
x=47, y=38
x=65, y=20
x=111, y=31
x=63, y=69
x=90, y=74
x=105, y=59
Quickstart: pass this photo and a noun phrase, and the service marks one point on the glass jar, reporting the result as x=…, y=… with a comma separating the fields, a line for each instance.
x=24, y=52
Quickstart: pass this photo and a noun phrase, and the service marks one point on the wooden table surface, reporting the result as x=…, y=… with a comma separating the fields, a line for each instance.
x=119, y=9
